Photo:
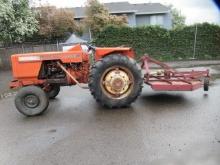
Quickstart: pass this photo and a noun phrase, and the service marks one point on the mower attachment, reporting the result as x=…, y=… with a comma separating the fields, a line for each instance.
x=169, y=79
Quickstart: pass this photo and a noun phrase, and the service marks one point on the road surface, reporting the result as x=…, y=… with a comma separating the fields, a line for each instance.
x=160, y=128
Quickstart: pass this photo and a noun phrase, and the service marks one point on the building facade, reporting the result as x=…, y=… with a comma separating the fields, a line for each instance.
x=137, y=14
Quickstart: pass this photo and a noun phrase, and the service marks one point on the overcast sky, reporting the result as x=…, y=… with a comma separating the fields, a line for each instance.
x=196, y=11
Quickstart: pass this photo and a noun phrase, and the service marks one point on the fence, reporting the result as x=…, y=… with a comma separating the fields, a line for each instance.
x=200, y=41
x=5, y=53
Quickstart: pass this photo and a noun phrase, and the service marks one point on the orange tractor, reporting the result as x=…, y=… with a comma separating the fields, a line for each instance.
x=113, y=76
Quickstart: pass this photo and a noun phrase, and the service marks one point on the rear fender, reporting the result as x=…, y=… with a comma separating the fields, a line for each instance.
x=101, y=53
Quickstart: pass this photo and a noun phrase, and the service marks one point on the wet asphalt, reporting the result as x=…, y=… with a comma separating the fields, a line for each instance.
x=160, y=128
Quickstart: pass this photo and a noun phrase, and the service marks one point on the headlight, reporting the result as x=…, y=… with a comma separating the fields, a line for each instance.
x=29, y=58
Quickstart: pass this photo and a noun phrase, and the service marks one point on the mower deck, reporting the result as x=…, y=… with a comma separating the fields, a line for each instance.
x=175, y=86
x=169, y=79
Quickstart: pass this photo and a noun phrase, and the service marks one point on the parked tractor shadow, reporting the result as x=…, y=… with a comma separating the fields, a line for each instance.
x=164, y=100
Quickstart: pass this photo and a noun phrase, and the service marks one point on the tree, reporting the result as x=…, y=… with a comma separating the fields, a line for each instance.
x=178, y=20
x=16, y=21
x=56, y=23
x=118, y=20
x=98, y=17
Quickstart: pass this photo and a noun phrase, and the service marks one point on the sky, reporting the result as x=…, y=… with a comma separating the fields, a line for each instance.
x=195, y=11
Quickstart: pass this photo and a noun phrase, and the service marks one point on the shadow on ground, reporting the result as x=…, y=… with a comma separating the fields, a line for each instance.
x=162, y=101
x=164, y=98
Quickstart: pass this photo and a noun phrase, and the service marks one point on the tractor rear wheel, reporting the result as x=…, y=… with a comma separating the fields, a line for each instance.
x=115, y=81
x=31, y=101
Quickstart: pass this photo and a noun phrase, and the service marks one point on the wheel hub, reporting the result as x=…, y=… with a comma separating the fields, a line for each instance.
x=31, y=101
x=117, y=82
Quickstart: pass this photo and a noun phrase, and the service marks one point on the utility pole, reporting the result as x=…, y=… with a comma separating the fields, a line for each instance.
x=194, y=47
x=90, y=35
x=57, y=45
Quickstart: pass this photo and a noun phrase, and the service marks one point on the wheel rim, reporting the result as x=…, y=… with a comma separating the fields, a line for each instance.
x=117, y=82
x=31, y=101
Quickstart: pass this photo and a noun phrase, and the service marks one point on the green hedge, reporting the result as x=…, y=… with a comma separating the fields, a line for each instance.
x=165, y=44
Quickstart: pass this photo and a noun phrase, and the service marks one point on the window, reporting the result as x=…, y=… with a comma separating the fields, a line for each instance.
x=156, y=20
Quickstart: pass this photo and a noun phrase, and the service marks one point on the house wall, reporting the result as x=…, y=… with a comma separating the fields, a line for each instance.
x=157, y=19
x=163, y=20
x=142, y=20
x=168, y=21
x=131, y=19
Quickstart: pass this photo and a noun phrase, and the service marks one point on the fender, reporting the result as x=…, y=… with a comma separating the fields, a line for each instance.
x=102, y=52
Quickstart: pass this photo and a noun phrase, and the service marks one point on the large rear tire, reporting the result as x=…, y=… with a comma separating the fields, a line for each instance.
x=31, y=101
x=115, y=81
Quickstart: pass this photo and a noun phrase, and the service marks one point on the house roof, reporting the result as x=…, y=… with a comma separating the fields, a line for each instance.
x=150, y=8
x=126, y=7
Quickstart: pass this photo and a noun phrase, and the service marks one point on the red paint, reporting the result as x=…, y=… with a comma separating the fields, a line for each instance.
x=170, y=79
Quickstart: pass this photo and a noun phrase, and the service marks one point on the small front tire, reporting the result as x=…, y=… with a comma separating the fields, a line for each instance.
x=31, y=101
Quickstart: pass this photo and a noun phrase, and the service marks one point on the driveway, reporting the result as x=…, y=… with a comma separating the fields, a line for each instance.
x=160, y=128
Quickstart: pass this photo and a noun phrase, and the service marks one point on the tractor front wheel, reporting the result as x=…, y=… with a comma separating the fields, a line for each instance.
x=31, y=101
x=115, y=81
